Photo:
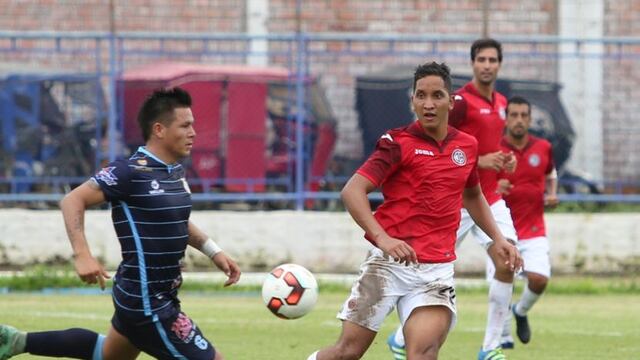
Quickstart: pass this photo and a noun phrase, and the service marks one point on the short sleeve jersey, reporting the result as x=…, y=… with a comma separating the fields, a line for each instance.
x=150, y=208
x=484, y=120
x=422, y=183
x=526, y=199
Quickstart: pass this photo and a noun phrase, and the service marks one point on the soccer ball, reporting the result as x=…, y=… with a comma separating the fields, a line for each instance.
x=290, y=291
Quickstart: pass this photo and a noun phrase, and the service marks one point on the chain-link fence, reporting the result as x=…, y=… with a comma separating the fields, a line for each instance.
x=288, y=131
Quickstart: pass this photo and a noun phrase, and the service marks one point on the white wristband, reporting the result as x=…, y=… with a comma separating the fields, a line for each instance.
x=210, y=248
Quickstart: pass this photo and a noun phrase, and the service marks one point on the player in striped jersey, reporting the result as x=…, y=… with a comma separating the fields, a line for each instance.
x=151, y=203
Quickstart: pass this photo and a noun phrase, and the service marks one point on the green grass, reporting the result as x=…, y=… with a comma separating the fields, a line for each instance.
x=565, y=326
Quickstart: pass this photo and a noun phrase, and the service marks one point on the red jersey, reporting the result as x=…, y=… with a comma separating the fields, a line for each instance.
x=484, y=120
x=526, y=198
x=422, y=183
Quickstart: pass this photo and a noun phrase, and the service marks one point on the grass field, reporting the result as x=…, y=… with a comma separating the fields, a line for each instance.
x=602, y=326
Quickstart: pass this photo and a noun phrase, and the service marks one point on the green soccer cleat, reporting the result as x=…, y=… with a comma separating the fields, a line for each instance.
x=494, y=354
x=12, y=342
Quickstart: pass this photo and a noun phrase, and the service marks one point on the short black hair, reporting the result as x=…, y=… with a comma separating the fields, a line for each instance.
x=518, y=100
x=483, y=44
x=433, y=68
x=159, y=107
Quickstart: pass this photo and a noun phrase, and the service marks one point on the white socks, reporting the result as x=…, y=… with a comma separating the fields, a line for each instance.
x=399, y=336
x=313, y=356
x=526, y=302
x=499, y=299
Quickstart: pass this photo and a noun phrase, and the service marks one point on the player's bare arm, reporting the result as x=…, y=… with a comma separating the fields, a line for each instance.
x=354, y=197
x=73, y=207
x=493, y=161
x=551, y=197
x=199, y=240
x=480, y=212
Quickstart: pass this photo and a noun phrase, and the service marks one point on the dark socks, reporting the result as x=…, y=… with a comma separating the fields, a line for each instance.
x=73, y=343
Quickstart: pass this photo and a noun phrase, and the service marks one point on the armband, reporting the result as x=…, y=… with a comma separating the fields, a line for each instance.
x=210, y=248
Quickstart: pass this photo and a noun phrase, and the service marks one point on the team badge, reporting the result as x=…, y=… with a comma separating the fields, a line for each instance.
x=459, y=157
x=534, y=160
x=142, y=162
x=155, y=186
x=503, y=113
x=106, y=176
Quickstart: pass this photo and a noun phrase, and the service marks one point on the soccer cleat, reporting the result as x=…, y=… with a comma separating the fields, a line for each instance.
x=398, y=351
x=12, y=342
x=522, y=326
x=494, y=354
x=507, y=344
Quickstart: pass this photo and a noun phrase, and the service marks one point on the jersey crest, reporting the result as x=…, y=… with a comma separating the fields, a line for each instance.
x=459, y=157
x=534, y=160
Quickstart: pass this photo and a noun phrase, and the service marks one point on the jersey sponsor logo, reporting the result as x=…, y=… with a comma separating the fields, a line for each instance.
x=459, y=157
x=424, y=152
x=141, y=168
x=106, y=176
x=534, y=160
x=485, y=111
x=386, y=136
x=155, y=186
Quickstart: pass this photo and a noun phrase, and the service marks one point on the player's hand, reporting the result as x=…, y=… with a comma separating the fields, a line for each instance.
x=510, y=162
x=399, y=250
x=493, y=161
x=504, y=186
x=90, y=270
x=228, y=267
x=551, y=200
x=509, y=253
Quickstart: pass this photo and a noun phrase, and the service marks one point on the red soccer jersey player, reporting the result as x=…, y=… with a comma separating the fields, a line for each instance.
x=422, y=182
x=426, y=172
x=484, y=119
x=524, y=193
x=525, y=199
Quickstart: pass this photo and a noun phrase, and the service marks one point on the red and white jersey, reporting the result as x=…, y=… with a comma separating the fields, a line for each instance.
x=422, y=182
x=526, y=198
x=484, y=120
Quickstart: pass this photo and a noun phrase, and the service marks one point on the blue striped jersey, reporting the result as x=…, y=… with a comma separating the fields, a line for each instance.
x=150, y=207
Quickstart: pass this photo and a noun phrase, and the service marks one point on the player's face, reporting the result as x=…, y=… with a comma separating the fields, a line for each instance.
x=179, y=135
x=518, y=120
x=431, y=102
x=486, y=66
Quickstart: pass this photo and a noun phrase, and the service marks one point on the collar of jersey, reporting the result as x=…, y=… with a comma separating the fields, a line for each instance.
x=416, y=130
x=144, y=150
x=470, y=88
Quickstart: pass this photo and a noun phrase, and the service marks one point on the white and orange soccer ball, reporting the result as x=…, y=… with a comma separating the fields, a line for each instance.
x=290, y=291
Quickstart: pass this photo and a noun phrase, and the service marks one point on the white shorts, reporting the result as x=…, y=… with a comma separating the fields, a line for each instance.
x=535, y=254
x=385, y=284
x=502, y=216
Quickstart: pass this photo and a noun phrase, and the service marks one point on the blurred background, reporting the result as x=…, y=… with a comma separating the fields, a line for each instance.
x=290, y=96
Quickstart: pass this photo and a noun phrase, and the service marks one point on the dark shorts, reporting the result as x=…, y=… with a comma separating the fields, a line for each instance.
x=176, y=337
